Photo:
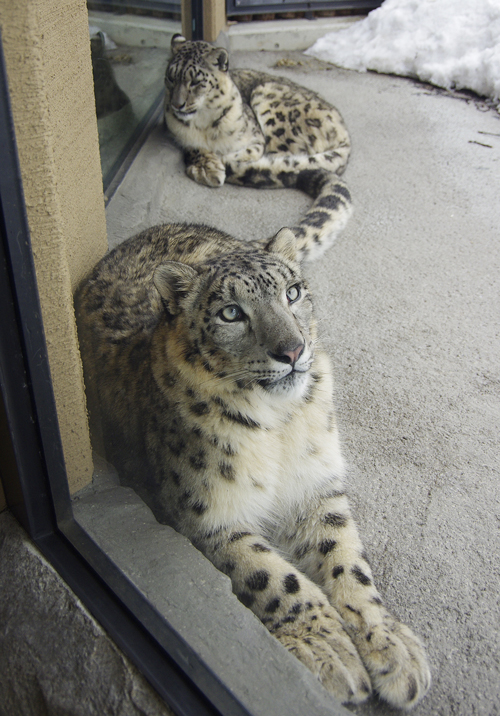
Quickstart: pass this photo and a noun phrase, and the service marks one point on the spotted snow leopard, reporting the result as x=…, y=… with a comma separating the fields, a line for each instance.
x=254, y=129
x=216, y=407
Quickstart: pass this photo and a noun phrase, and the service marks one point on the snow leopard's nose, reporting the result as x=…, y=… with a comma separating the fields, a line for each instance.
x=290, y=357
x=178, y=98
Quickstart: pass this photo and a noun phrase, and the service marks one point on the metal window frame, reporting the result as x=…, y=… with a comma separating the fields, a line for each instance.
x=257, y=7
x=122, y=6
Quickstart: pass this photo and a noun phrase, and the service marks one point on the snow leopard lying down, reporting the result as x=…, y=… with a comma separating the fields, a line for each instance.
x=254, y=129
x=216, y=407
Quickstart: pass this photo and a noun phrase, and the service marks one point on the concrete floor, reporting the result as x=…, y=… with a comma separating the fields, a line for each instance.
x=408, y=306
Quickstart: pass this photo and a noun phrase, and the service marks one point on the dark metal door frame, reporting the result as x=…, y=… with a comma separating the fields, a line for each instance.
x=256, y=7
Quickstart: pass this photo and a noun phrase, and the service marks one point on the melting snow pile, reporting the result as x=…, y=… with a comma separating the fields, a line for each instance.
x=450, y=43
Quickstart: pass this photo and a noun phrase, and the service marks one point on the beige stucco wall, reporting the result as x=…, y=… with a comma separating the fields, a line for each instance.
x=47, y=53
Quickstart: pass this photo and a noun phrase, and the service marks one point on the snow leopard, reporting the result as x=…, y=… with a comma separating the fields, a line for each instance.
x=254, y=129
x=215, y=405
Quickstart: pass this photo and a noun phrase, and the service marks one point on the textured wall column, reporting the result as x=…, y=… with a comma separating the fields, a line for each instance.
x=47, y=53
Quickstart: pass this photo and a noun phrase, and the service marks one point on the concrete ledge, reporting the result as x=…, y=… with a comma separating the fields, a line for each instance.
x=185, y=588
x=136, y=30
x=280, y=34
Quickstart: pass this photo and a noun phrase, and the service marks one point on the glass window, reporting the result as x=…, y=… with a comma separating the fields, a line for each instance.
x=130, y=44
x=161, y=600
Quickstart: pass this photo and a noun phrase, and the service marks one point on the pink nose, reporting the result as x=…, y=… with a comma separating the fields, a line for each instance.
x=290, y=357
x=294, y=355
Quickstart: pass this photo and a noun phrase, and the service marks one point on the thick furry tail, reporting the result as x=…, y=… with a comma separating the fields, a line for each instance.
x=330, y=212
x=332, y=206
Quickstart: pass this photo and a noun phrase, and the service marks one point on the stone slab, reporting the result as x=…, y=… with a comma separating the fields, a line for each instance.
x=55, y=659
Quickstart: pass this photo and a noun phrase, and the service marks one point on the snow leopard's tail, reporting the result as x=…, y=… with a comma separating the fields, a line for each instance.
x=331, y=209
x=330, y=212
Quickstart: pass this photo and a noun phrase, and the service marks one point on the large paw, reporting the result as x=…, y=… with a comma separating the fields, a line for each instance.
x=208, y=170
x=318, y=639
x=396, y=661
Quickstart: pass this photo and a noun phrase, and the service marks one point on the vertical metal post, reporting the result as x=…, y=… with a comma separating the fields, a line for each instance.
x=197, y=19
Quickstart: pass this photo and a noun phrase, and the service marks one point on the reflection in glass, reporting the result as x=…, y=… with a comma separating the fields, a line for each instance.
x=128, y=88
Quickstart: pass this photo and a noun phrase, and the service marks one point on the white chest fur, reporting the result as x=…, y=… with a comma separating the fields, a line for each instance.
x=279, y=467
x=220, y=128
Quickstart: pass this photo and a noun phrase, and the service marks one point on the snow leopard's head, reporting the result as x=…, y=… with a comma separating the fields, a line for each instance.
x=245, y=317
x=195, y=75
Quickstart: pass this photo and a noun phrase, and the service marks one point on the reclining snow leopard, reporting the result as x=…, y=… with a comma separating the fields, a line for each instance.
x=216, y=407
x=254, y=129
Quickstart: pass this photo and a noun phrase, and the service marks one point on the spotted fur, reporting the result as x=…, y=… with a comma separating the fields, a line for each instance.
x=215, y=404
x=257, y=130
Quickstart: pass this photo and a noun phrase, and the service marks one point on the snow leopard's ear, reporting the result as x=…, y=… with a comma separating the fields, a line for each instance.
x=284, y=244
x=220, y=57
x=173, y=280
x=176, y=41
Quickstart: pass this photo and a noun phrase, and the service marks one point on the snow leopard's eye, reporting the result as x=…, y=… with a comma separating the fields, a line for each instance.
x=293, y=294
x=230, y=314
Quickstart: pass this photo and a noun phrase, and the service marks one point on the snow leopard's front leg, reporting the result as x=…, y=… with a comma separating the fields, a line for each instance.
x=325, y=544
x=249, y=143
x=250, y=153
x=294, y=609
x=244, y=165
x=209, y=168
x=205, y=167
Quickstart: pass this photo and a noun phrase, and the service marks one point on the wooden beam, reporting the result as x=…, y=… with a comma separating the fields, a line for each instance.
x=214, y=19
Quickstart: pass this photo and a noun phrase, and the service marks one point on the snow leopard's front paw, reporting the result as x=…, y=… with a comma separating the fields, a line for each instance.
x=208, y=170
x=318, y=639
x=396, y=661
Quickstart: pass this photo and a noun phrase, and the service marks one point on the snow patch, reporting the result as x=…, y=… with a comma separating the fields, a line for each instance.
x=453, y=44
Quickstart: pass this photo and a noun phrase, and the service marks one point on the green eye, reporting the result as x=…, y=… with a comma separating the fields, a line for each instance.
x=293, y=294
x=230, y=314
